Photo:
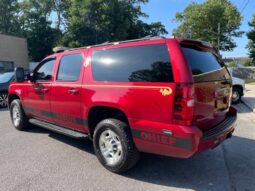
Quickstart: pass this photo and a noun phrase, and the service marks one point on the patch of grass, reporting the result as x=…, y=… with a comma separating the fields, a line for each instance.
x=250, y=81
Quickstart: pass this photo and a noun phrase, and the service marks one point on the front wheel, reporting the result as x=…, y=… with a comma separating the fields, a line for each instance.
x=114, y=146
x=18, y=116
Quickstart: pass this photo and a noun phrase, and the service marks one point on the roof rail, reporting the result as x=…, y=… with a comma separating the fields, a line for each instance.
x=119, y=42
x=60, y=49
x=149, y=37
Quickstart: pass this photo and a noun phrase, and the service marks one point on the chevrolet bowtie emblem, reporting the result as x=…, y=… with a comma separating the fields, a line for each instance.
x=166, y=91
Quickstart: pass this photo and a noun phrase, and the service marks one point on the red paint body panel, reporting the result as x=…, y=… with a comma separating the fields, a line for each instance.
x=149, y=112
x=66, y=100
x=38, y=99
x=181, y=70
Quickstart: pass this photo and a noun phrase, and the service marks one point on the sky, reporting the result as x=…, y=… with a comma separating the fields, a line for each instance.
x=165, y=10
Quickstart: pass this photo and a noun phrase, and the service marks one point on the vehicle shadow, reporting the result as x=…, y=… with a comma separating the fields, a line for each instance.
x=242, y=108
x=231, y=166
x=4, y=109
x=83, y=144
x=249, y=101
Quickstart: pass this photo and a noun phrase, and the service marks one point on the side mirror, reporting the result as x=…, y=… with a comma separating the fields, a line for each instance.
x=30, y=77
x=19, y=74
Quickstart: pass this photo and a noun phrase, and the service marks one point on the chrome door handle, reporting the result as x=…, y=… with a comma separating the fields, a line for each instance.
x=73, y=91
x=44, y=90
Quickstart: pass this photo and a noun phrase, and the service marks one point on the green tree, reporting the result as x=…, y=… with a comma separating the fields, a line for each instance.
x=251, y=37
x=36, y=27
x=249, y=62
x=96, y=21
x=8, y=16
x=48, y=23
x=209, y=21
x=60, y=7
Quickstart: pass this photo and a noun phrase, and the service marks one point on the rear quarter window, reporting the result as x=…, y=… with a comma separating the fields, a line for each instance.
x=149, y=63
x=201, y=60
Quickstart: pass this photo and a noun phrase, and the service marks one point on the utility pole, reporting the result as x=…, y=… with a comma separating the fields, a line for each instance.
x=218, y=37
x=189, y=32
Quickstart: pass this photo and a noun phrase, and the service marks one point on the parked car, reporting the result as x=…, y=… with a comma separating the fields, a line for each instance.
x=5, y=80
x=163, y=96
x=238, y=88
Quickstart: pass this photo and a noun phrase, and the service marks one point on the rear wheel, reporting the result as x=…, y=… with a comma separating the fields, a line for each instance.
x=237, y=95
x=114, y=146
x=3, y=100
x=18, y=116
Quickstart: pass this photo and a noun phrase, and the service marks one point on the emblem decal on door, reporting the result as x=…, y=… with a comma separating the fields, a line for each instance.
x=166, y=91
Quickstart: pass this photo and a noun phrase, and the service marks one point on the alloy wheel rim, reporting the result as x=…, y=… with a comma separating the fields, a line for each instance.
x=3, y=100
x=16, y=115
x=235, y=96
x=110, y=147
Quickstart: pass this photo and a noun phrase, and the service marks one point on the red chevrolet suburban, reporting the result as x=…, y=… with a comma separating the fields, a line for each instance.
x=156, y=95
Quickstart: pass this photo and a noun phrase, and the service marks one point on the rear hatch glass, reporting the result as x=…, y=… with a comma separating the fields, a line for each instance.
x=212, y=84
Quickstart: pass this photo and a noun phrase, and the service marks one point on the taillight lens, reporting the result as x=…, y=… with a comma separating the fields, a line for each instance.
x=184, y=104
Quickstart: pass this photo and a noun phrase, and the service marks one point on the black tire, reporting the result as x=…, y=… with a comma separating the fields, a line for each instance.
x=22, y=124
x=130, y=154
x=3, y=100
x=237, y=95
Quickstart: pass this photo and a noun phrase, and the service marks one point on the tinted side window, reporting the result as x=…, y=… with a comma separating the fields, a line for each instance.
x=44, y=72
x=70, y=67
x=150, y=63
x=201, y=60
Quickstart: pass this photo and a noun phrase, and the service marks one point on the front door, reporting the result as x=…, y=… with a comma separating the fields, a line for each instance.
x=66, y=92
x=37, y=102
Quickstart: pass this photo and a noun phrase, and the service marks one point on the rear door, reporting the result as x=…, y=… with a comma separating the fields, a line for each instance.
x=66, y=92
x=137, y=77
x=212, y=84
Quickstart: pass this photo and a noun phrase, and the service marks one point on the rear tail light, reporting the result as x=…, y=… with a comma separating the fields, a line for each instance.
x=183, y=104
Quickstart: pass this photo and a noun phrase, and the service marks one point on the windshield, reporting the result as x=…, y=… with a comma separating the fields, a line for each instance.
x=6, y=77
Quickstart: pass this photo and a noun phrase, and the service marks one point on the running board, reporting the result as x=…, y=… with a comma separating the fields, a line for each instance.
x=58, y=129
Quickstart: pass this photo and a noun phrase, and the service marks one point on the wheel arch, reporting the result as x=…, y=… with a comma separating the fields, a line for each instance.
x=12, y=97
x=240, y=87
x=3, y=91
x=101, y=112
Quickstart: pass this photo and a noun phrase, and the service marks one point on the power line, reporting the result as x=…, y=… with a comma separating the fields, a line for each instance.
x=245, y=5
x=242, y=4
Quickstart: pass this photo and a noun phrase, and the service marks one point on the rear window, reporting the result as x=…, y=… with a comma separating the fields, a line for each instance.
x=201, y=60
x=149, y=63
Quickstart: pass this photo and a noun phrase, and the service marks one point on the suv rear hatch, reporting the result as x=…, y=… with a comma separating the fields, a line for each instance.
x=212, y=84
